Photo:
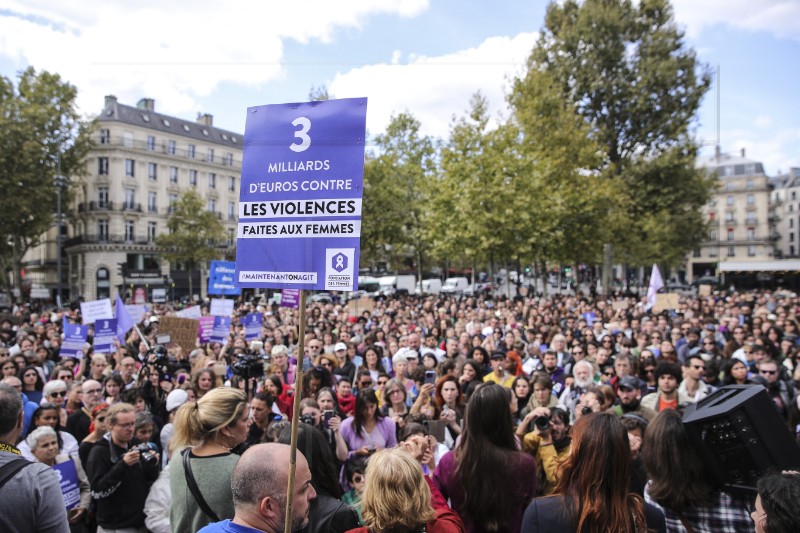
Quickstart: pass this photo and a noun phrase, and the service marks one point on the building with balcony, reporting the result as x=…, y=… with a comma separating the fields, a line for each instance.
x=786, y=199
x=742, y=222
x=140, y=165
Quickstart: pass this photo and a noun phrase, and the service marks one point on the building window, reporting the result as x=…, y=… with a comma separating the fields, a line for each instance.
x=130, y=168
x=731, y=251
x=151, y=143
x=712, y=235
x=102, y=230
x=729, y=199
x=711, y=215
x=229, y=159
x=130, y=198
x=712, y=252
x=727, y=171
x=212, y=205
x=173, y=198
x=231, y=211
x=791, y=250
x=751, y=217
x=231, y=183
x=212, y=180
x=729, y=216
x=791, y=236
x=127, y=139
x=751, y=199
x=103, y=287
x=751, y=251
x=102, y=166
x=696, y=252
x=729, y=186
x=794, y=195
x=173, y=174
x=749, y=184
x=105, y=136
x=152, y=202
x=190, y=151
x=751, y=234
x=231, y=237
x=102, y=196
x=730, y=234
x=210, y=155
x=151, y=231
x=129, y=230
x=749, y=168
x=791, y=222
x=193, y=178
x=171, y=147
x=152, y=171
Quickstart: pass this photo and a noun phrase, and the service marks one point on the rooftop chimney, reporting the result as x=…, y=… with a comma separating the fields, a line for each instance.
x=717, y=153
x=146, y=104
x=110, y=100
x=742, y=153
x=205, y=119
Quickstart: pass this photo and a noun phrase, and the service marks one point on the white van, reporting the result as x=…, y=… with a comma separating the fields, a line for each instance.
x=429, y=286
x=455, y=285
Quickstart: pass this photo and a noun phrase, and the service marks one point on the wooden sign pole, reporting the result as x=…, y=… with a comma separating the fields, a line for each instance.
x=298, y=379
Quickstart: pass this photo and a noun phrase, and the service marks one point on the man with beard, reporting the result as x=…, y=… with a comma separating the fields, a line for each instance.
x=258, y=485
x=549, y=444
x=629, y=393
x=667, y=375
x=556, y=373
x=583, y=372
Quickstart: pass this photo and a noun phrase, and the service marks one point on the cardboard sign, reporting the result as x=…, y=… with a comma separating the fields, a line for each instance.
x=182, y=330
x=359, y=305
x=619, y=305
x=704, y=290
x=669, y=300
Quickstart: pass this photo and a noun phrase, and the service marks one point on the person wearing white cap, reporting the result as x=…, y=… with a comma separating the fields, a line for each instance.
x=346, y=367
x=175, y=399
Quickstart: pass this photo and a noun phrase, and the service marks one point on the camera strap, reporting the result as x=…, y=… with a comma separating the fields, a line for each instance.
x=194, y=489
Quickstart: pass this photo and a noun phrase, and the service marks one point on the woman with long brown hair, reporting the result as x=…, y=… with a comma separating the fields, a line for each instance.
x=591, y=494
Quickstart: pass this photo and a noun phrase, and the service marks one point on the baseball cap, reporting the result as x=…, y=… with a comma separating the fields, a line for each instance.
x=628, y=382
x=498, y=355
x=176, y=398
x=340, y=346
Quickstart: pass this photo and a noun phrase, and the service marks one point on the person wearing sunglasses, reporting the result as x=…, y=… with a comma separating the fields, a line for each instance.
x=55, y=392
x=777, y=389
x=693, y=387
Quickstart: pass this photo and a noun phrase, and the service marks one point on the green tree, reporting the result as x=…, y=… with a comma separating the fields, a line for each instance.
x=195, y=234
x=397, y=187
x=625, y=68
x=41, y=135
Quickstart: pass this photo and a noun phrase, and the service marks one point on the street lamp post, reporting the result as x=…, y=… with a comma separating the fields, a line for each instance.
x=60, y=182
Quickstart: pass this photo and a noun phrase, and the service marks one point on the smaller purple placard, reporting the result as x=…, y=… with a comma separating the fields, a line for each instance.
x=290, y=298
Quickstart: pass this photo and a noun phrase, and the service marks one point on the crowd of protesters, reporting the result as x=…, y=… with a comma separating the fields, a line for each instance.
x=510, y=408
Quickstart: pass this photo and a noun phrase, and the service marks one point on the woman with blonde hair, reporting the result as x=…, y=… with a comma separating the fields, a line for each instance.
x=200, y=479
x=398, y=499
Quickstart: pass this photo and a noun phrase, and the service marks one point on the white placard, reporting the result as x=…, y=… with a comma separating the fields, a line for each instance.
x=189, y=312
x=91, y=311
x=136, y=311
x=221, y=307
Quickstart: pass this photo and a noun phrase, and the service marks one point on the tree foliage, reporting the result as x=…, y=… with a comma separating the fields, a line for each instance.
x=194, y=234
x=626, y=70
x=41, y=135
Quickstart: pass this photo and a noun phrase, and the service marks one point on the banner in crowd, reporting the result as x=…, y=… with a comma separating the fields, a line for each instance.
x=252, y=326
x=301, y=195
x=136, y=311
x=74, y=342
x=190, y=312
x=91, y=311
x=221, y=330
x=123, y=317
x=68, y=480
x=105, y=333
x=182, y=330
x=221, y=277
x=205, y=324
x=290, y=298
x=221, y=307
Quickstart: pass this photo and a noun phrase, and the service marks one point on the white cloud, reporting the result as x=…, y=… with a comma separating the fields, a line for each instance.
x=176, y=51
x=763, y=121
x=780, y=18
x=434, y=89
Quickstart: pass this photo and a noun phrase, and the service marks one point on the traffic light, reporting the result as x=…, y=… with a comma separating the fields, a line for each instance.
x=122, y=269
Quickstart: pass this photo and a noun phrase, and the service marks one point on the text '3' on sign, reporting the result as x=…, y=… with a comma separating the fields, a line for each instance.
x=301, y=196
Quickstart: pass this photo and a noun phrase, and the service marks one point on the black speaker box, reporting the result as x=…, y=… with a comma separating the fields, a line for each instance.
x=741, y=436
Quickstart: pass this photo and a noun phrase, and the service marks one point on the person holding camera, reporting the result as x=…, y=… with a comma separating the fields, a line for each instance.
x=120, y=473
x=549, y=443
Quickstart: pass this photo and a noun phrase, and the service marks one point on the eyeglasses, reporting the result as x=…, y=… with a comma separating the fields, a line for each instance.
x=608, y=374
x=325, y=363
x=100, y=419
x=395, y=391
x=708, y=342
x=768, y=372
x=381, y=383
x=61, y=393
x=366, y=384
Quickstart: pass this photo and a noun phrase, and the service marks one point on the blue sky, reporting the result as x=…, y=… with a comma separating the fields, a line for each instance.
x=422, y=56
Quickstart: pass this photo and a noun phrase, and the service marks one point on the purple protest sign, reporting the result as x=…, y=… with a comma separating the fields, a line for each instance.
x=301, y=195
x=221, y=329
x=205, y=324
x=290, y=298
x=252, y=326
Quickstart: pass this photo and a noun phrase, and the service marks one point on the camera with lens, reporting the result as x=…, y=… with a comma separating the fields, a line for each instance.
x=542, y=423
x=586, y=410
x=148, y=451
x=248, y=366
x=157, y=355
x=307, y=419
